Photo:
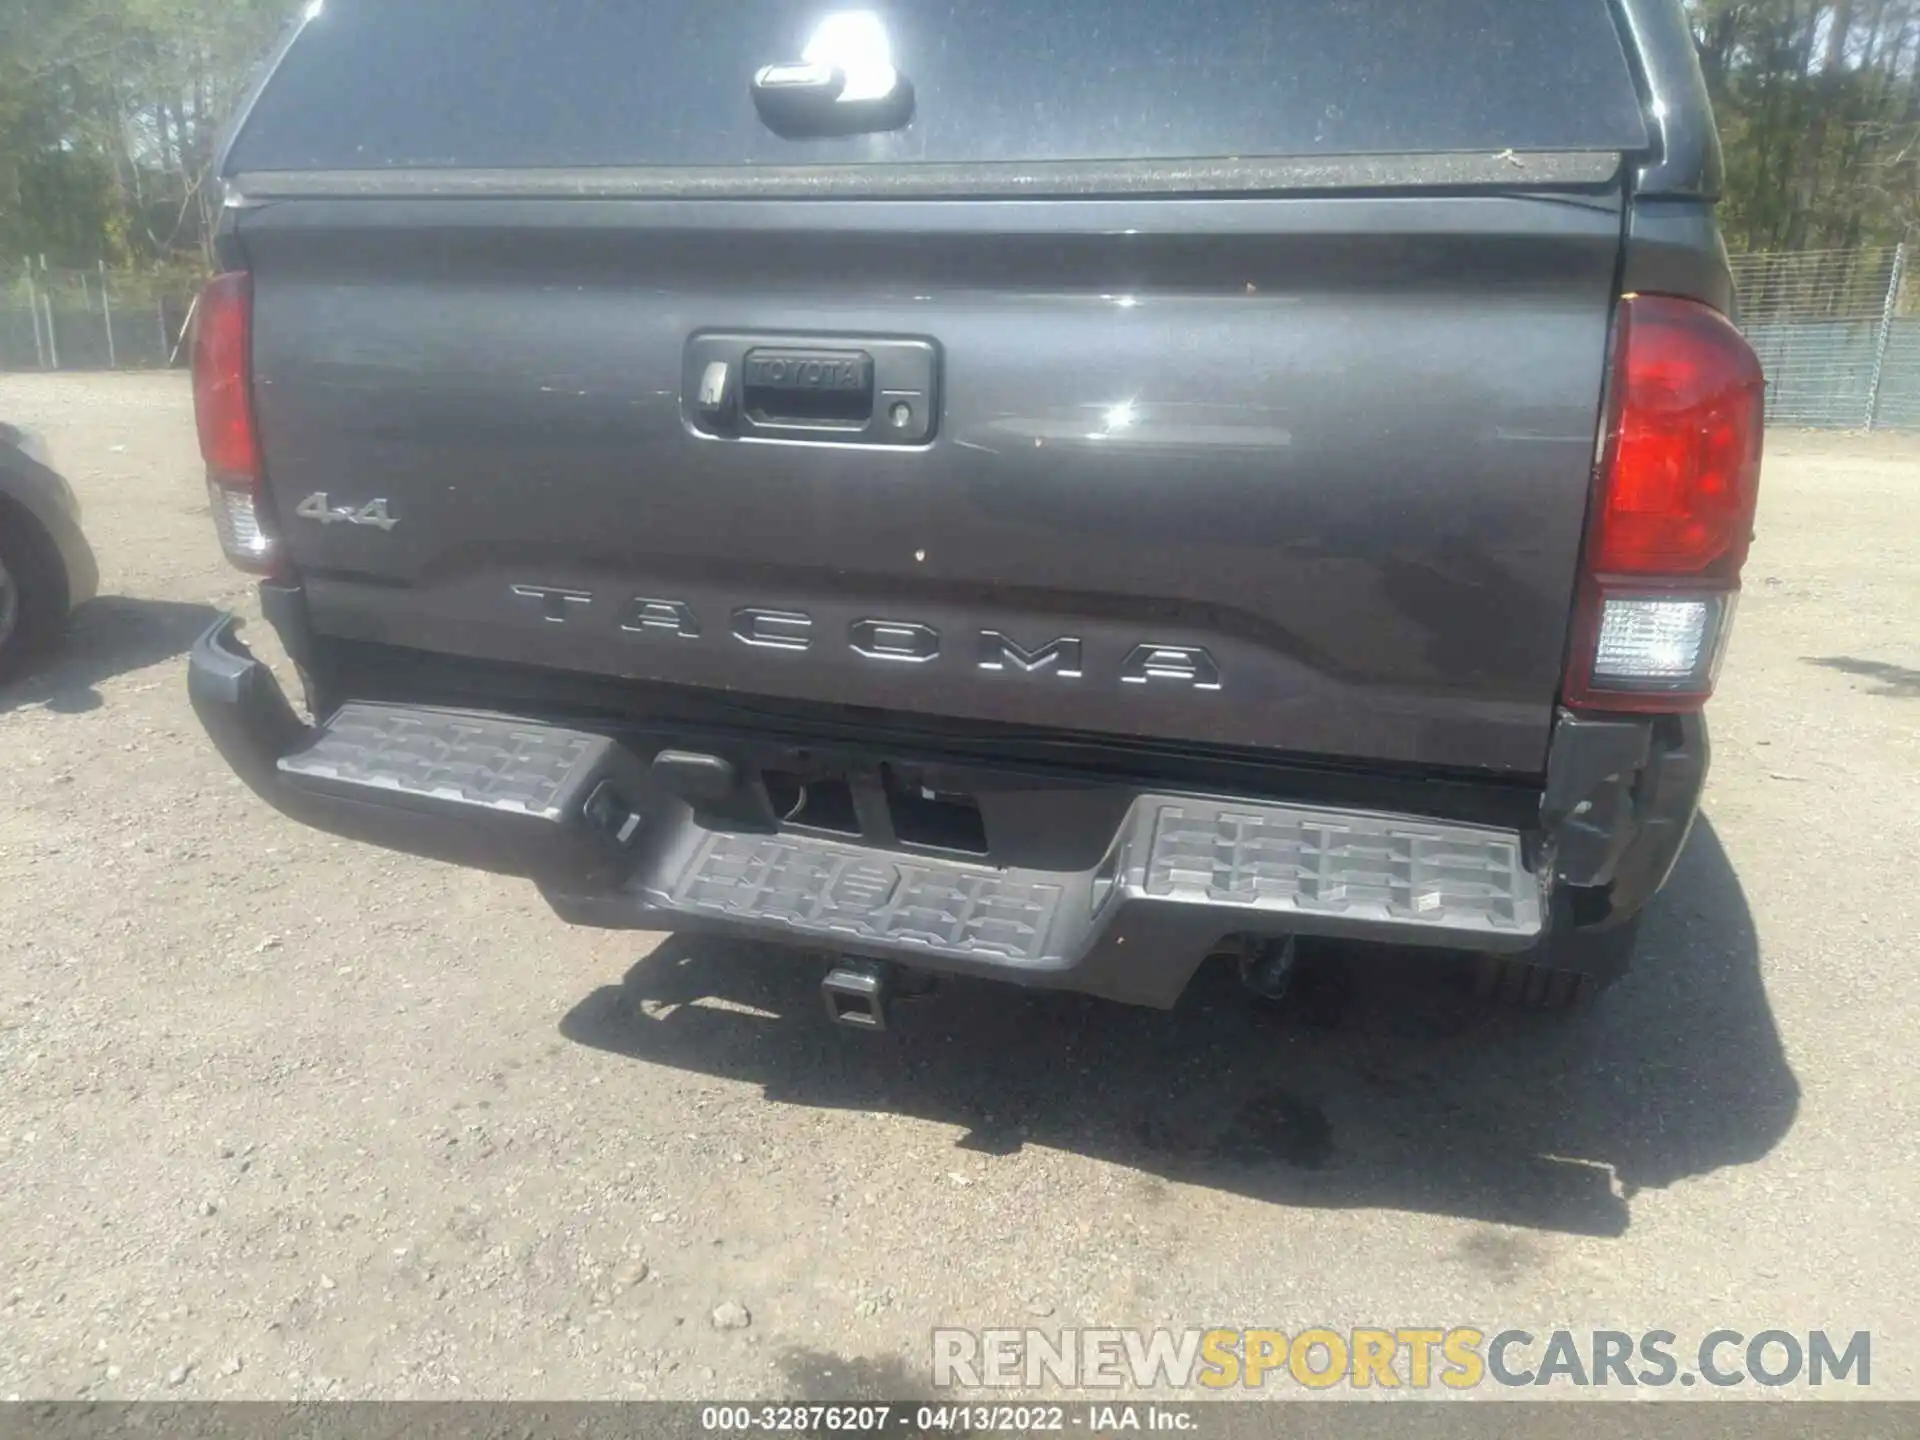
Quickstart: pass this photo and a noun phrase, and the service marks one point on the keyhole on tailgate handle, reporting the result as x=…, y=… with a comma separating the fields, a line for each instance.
x=901, y=415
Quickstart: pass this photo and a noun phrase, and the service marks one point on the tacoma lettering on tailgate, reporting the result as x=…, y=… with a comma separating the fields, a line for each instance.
x=884, y=641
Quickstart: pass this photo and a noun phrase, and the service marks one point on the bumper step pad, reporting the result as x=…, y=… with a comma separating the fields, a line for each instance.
x=483, y=790
x=1224, y=866
x=1383, y=868
x=457, y=759
x=818, y=888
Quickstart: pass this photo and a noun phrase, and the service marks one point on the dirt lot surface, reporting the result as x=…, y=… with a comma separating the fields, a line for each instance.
x=285, y=1117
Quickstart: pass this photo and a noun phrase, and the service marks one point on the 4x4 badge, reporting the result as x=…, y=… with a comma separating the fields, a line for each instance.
x=373, y=513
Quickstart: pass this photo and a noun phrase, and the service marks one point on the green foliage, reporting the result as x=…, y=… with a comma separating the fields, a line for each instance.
x=1818, y=103
x=109, y=113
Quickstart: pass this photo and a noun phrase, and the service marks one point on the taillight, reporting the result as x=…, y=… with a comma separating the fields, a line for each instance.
x=223, y=410
x=1672, y=509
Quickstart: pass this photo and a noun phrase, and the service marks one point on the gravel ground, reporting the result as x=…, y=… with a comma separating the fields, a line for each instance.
x=282, y=1117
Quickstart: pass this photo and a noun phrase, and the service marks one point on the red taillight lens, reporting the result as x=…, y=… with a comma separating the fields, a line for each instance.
x=223, y=409
x=1673, y=509
x=1683, y=467
x=222, y=398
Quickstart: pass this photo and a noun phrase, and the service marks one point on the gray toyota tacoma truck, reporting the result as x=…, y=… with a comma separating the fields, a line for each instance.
x=1041, y=491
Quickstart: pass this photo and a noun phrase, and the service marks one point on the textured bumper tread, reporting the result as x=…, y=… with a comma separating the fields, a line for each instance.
x=1385, y=868
x=1344, y=872
x=469, y=759
x=817, y=887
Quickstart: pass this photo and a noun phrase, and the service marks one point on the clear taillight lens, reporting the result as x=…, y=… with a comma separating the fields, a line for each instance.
x=237, y=523
x=1660, y=642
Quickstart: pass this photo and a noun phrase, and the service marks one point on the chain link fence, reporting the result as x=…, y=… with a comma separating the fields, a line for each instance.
x=91, y=319
x=1837, y=334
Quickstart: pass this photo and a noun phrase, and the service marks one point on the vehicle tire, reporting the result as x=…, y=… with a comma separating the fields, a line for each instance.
x=33, y=594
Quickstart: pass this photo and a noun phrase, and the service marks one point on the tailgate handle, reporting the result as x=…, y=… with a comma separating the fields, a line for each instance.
x=821, y=389
x=826, y=388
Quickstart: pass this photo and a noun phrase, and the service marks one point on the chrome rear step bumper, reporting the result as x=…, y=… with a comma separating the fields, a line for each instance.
x=590, y=821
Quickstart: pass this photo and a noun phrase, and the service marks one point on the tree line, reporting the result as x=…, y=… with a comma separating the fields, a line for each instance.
x=1818, y=103
x=110, y=111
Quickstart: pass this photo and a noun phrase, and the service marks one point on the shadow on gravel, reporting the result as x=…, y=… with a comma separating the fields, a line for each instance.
x=1382, y=1083
x=107, y=637
x=1895, y=680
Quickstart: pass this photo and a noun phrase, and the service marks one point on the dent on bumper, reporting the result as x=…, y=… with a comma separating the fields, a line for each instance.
x=242, y=709
x=1620, y=801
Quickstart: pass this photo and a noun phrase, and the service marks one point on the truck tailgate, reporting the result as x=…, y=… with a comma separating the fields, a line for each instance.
x=1305, y=474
